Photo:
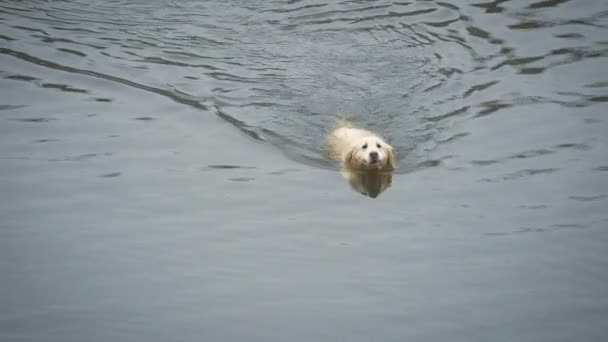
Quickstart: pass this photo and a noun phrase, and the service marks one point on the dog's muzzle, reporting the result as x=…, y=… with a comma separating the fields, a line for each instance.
x=373, y=157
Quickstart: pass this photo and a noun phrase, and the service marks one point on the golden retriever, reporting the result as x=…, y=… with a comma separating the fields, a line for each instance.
x=359, y=149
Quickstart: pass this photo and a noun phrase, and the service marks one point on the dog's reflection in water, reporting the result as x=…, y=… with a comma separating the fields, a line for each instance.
x=368, y=183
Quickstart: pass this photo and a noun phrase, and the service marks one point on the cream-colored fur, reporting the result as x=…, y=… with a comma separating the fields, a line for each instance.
x=359, y=149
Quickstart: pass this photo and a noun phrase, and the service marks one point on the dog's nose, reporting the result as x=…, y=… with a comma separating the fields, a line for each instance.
x=373, y=156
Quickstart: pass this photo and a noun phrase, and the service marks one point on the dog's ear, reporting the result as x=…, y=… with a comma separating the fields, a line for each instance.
x=348, y=159
x=391, y=158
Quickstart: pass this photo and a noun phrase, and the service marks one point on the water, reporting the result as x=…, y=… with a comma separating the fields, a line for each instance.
x=162, y=175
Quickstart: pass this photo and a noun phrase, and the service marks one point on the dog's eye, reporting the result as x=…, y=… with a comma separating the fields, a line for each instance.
x=364, y=146
x=378, y=145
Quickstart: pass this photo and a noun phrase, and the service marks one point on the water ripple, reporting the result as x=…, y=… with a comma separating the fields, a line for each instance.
x=412, y=70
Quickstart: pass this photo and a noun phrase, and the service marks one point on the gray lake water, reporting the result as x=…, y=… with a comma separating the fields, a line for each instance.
x=162, y=175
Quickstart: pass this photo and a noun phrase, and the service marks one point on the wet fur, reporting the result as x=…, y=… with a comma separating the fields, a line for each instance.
x=345, y=141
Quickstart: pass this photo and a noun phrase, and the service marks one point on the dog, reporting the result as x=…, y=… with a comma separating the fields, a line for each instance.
x=359, y=149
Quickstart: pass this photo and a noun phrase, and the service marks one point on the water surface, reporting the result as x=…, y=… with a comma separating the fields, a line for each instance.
x=162, y=173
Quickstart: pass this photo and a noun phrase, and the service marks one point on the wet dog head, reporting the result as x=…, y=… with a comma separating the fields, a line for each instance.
x=371, y=154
